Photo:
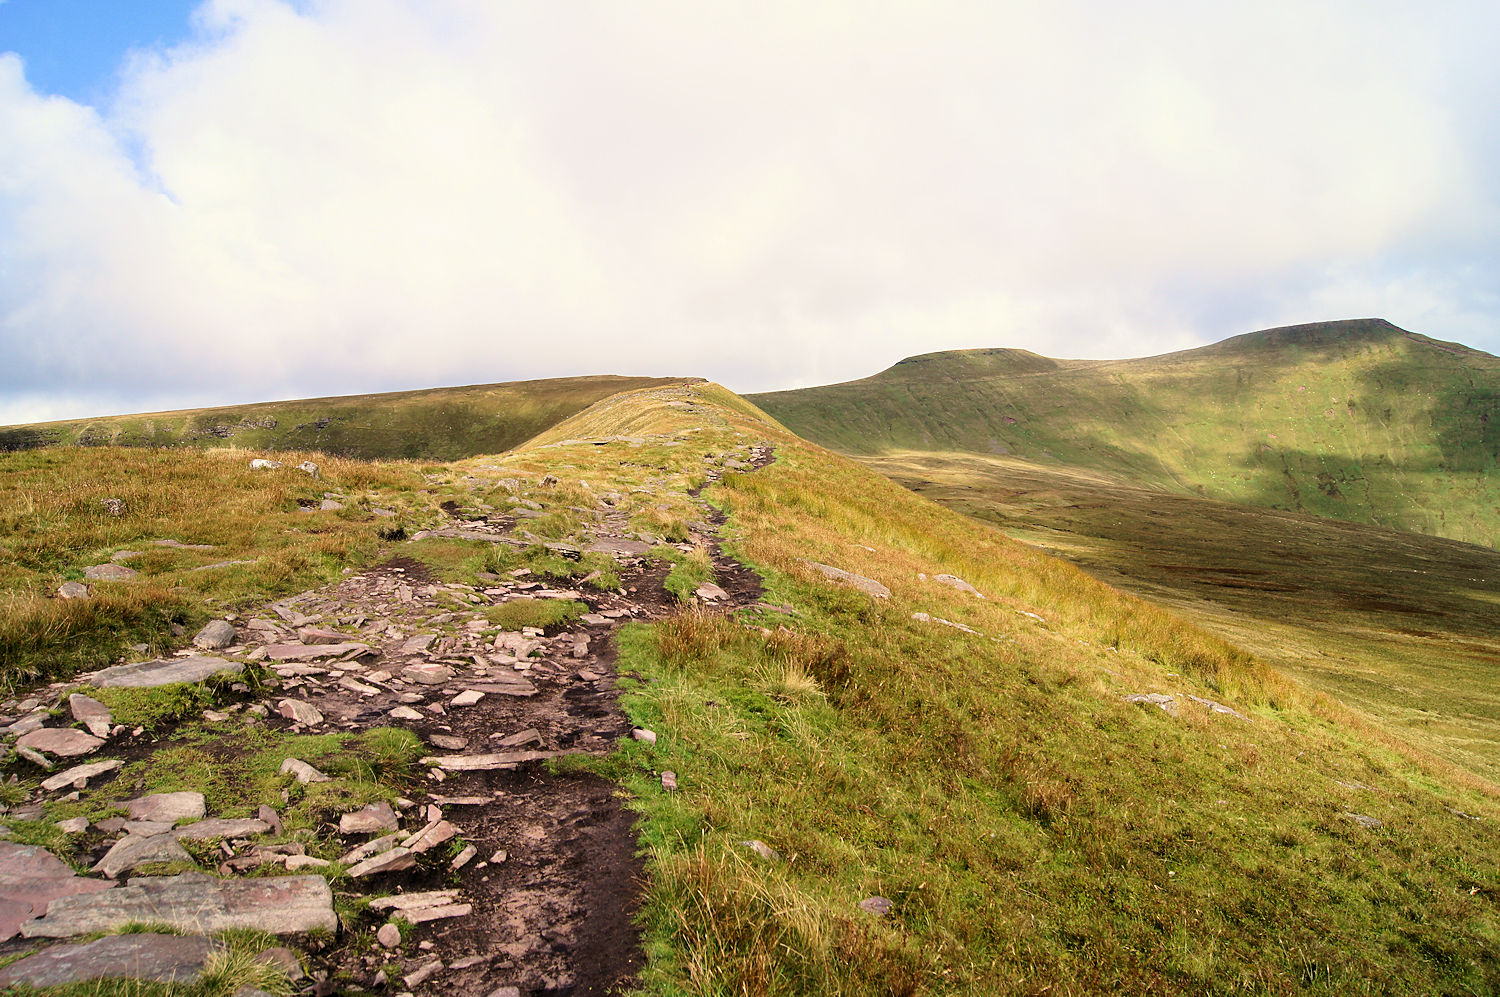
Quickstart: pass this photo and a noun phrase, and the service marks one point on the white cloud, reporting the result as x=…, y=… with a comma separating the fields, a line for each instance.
x=342, y=196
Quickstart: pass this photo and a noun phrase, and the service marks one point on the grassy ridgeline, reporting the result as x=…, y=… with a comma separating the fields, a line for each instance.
x=1359, y=421
x=1033, y=830
x=432, y=424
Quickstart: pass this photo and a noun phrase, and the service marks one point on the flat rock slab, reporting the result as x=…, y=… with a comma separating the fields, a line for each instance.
x=164, y=958
x=79, y=775
x=498, y=760
x=30, y=879
x=65, y=742
x=282, y=905
x=167, y=807
x=165, y=671
x=867, y=585
x=110, y=573
x=221, y=827
x=30, y=860
x=136, y=850
x=313, y=652
x=427, y=673
x=506, y=687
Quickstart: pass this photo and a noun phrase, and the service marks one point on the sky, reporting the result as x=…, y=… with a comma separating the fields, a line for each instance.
x=243, y=200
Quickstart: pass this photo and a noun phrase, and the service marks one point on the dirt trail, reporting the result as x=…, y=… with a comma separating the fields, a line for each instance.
x=555, y=878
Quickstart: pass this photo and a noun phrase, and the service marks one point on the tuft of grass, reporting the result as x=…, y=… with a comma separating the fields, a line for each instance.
x=539, y=613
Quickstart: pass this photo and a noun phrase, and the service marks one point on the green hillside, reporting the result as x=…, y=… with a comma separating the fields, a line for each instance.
x=1359, y=421
x=977, y=764
x=431, y=424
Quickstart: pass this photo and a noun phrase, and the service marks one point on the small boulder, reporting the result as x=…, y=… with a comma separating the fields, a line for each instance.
x=304, y=772
x=389, y=936
x=136, y=850
x=64, y=742
x=72, y=590
x=261, y=464
x=216, y=636
x=168, y=808
x=375, y=818
x=299, y=712
x=114, y=506
x=309, y=467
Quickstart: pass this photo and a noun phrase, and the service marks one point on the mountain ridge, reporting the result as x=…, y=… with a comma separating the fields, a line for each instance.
x=1357, y=420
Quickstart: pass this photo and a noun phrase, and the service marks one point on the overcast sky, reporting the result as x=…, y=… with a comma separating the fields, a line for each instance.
x=249, y=199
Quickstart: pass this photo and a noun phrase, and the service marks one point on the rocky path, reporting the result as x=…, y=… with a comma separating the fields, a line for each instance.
x=538, y=876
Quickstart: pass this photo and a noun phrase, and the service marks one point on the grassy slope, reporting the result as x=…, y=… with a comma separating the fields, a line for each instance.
x=1358, y=421
x=1035, y=832
x=432, y=424
x=1404, y=626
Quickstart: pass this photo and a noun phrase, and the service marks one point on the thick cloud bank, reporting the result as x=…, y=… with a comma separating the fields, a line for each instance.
x=353, y=195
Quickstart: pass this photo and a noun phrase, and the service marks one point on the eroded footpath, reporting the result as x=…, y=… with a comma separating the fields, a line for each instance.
x=492, y=871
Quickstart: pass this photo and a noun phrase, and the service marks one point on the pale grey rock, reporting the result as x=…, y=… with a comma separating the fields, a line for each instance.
x=460, y=860
x=953, y=581
x=309, y=467
x=370, y=848
x=641, y=734
x=64, y=742
x=867, y=585
x=466, y=698
x=357, y=687
x=217, y=635
x=329, y=505
x=424, y=914
x=221, y=827
x=77, y=825
x=79, y=775
x=1363, y=820
x=414, y=901
x=422, y=975
x=405, y=713
x=110, y=573
x=161, y=958
x=85, y=708
x=314, y=652
x=72, y=590
x=165, y=671
x=1167, y=703
x=762, y=849
x=488, y=762
x=193, y=902
x=304, y=772
x=418, y=643
x=373, y=819
x=114, y=506
x=270, y=816
x=299, y=712
x=435, y=833
x=427, y=673
x=520, y=738
x=135, y=850
x=879, y=906
x=1214, y=707
x=709, y=592
x=320, y=635
x=389, y=936
x=669, y=781
x=392, y=860
x=33, y=756
x=121, y=556
x=261, y=464
x=169, y=808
